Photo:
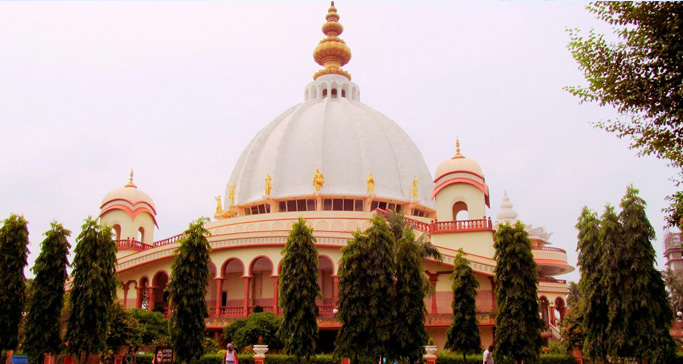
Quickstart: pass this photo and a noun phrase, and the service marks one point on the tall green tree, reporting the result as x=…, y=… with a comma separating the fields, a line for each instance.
x=398, y=225
x=644, y=306
x=518, y=333
x=463, y=334
x=187, y=288
x=613, y=277
x=410, y=335
x=93, y=290
x=298, y=291
x=592, y=317
x=641, y=75
x=366, y=292
x=42, y=330
x=13, y=254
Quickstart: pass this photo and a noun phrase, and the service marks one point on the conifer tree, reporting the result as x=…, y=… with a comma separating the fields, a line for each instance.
x=518, y=333
x=42, y=330
x=366, y=293
x=93, y=290
x=410, y=334
x=187, y=288
x=13, y=254
x=644, y=307
x=463, y=334
x=298, y=291
x=593, y=320
x=612, y=272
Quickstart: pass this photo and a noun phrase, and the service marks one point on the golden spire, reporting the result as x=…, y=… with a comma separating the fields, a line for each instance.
x=332, y=52
x=457, y=149
x=130, y=180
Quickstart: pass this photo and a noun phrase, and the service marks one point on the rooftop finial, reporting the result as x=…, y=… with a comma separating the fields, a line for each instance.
x=457, y=149
x=332, y=52
x=130, y=180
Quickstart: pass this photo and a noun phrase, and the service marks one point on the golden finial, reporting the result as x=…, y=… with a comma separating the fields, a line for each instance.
x=332, y=52
x=457, y=149
x=130, y=180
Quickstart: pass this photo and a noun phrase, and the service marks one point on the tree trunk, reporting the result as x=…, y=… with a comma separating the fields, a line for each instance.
x=464, y=359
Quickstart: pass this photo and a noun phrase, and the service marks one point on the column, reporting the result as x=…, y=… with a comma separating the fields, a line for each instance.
x=150, y=298
x=138, y=300
x=219, y=295
x=336, y=289
x=125, y=295
x=432, y=280
x=245, y=306
x=276, y=290
x=493, y=294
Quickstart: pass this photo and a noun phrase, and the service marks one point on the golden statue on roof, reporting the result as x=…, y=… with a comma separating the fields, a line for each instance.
x=318, y=180
x=219, y=208
x=269, y=185
x=371, y=184
x=231, y=194
x=332, y=52
x=415, y=183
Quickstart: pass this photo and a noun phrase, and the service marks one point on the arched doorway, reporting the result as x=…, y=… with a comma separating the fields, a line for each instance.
x=261, y=285
x=460, y=211
x=160, y=295
x=545, y=316
x=561, y=308
x=326, y=282
x=143, y=294
x=232, y=288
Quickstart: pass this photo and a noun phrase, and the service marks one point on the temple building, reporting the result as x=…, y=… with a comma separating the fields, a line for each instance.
x=336, y=162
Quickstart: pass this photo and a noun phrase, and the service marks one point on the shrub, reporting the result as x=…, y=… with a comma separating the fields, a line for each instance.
x=244, y=332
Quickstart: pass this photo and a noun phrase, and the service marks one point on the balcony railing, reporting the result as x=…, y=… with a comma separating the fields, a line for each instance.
x=126, y=244
x=440, y=227
x=550, y=249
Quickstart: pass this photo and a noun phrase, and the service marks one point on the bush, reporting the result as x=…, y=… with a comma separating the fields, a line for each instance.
x=244, y=332
x=453, y=358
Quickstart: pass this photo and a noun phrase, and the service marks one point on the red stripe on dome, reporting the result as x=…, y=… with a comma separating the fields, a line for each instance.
x=132, y=213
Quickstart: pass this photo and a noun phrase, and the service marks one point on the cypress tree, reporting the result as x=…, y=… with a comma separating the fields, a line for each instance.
x=463, y=334
x=187, y=288
x=593, y=322
x=518, y=334
x=13, y=254
x=42, y=330
x=298, y=291
x=614, y=279
x=93, y=290
x=366, y=292
x=644, y=304
x=410, y=334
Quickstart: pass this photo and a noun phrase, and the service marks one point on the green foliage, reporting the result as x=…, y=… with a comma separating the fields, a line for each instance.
x=398, y=225
x=640, y=74
x=245, y=332
x=463, y=334
x=122, y=329
x=298, y=291
x=675, y=286
x=452, y=358
x=410, y=334
x=640, y=313
x=366, y=292
x=591, y=319
x=187, y=288
x=211, y=346
x=93, y=289
x=43, y=328
x=518, y=333
x=151, y=328
x=674, y=212
x=13, y=254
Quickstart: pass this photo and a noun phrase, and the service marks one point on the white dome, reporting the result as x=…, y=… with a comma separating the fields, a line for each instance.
x=344, y=138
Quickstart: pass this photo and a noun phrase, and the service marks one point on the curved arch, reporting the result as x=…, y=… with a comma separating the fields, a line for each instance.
x=157, y=276
x=560, y=307
x=326, y=272
x=261, y=290
x=117, y=231
x=256, y=260
x=460, y=210
x=234, y=264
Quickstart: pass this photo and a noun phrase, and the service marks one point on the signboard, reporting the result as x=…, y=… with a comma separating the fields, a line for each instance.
x=163, y=355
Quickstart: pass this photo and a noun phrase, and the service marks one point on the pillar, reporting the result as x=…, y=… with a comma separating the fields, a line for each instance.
x=150, y=298
x=245, y=306
x=276, y=290
x=125, y=295
x=432, y=280
x=493, y=294
x=335, y=294
x=219, y=294
x=138, y=299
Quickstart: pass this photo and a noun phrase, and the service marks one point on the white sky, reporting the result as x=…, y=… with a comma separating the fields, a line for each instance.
x=176, y=90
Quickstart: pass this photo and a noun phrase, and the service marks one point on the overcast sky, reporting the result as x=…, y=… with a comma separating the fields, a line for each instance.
x=176, y=90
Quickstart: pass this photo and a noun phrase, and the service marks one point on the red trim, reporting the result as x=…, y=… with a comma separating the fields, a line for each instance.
x=132, y=213
x=459, y=171
x=131, y=202
x=163, y=271
x=226, y=262
x=449, y=182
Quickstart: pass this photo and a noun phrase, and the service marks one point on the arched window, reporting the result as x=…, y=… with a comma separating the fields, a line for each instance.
x=141, y=234
x=117, y=231
x=460, y=211
x=324, y=93
x=334, y=93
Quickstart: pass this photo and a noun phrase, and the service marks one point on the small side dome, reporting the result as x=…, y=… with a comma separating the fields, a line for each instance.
x=459, y=163
x=460, y=169
x=129, y=199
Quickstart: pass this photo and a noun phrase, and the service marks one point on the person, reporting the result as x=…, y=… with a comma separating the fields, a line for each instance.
x=129, y=358
x=158, y=356
x=230, y=355
x=488, y=355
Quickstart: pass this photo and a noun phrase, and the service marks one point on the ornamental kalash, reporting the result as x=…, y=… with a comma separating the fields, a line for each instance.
x=355, y=163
